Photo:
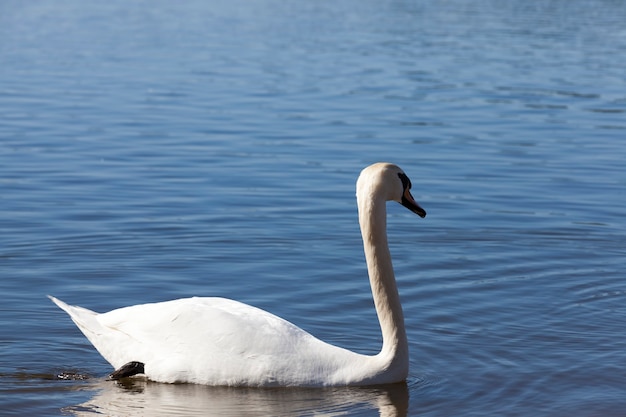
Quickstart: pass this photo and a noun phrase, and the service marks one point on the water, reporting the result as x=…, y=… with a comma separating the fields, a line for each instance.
x=156, y=150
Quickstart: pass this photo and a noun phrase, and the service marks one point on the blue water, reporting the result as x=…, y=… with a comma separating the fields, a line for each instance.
x=152, y=150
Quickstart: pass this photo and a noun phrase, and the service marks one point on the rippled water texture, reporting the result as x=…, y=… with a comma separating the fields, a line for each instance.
x=152, y=150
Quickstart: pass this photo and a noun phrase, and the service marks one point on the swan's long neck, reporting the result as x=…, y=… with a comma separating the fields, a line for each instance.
x=373, y=222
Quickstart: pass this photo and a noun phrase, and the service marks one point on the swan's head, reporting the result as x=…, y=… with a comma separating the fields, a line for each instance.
x=387, y=181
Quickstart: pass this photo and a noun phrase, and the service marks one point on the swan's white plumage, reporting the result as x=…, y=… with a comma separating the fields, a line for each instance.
x=216, y=341
x=212, y=341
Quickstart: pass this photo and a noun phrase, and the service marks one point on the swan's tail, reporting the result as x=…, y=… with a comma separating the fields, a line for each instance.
x=85, y=319
x=110, y=342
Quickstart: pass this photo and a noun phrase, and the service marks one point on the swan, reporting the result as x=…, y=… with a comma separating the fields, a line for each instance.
x=222, y=342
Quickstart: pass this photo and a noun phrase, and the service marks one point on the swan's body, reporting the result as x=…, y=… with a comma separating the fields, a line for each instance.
x=216, y=341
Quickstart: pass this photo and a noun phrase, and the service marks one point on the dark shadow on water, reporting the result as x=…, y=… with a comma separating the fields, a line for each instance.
x=139, y=397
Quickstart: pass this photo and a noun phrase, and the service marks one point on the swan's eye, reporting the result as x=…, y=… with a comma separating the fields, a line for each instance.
x=406, y=182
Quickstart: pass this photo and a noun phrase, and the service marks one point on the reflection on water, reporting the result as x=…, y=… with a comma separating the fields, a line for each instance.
x=139, y=397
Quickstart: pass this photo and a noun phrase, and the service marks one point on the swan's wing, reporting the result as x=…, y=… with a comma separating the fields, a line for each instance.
x=193, y=339
x=212, y=341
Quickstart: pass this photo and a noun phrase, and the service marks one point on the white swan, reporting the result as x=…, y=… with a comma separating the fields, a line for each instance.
x=216, y=341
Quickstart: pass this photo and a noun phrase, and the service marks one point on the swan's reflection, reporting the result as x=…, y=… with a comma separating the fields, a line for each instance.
x=144, y=398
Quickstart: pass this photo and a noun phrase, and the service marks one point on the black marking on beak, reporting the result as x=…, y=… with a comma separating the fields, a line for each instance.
x=407, y=199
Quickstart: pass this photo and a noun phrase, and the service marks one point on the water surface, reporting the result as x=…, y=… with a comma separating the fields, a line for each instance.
x=153, y=150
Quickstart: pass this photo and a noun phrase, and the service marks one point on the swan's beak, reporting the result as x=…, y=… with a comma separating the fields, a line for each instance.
x=409, y=202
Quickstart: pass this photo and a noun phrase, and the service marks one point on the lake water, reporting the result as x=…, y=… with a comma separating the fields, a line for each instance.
x=152, y=150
